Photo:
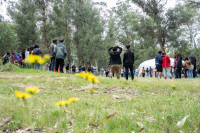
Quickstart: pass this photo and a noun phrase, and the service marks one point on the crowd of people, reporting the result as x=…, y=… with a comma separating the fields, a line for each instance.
x=58, y=52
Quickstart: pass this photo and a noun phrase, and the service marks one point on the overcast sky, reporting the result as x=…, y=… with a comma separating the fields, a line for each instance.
x=110, y=3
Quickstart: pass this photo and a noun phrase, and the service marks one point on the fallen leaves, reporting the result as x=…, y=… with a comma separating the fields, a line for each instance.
x=182, y=122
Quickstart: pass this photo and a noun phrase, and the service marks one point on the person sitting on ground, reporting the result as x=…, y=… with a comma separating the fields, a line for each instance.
x=128, y=61
x=166, y=65
x=16, y=59
x=101, y=71
x=158, y=61
x=6, y=58
x=115, y=60
x=92, y=69
x=83, y=69
x=143, y=72
x=19, y=55
x=73, y=69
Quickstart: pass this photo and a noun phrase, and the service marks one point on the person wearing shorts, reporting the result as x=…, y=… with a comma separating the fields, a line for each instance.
x=158, y=61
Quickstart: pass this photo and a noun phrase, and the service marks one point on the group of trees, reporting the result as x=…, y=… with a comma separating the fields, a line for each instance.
x=89, y=28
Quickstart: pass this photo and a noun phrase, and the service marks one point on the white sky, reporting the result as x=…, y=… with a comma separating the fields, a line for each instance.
x=110, y=3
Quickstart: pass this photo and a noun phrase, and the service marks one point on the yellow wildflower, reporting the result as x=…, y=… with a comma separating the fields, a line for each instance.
x=173, y=87
x=46, y=57
x=33, y=90
x=73, y=99
x=23, y=95
x=93, y=79
x=31, y=58
x=40, y=60
x=60, y=103
x=91, y=91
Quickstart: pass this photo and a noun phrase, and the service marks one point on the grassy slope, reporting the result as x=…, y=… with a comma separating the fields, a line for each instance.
x=147, y=101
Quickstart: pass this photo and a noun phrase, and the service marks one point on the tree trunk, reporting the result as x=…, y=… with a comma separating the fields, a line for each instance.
x=91, y=61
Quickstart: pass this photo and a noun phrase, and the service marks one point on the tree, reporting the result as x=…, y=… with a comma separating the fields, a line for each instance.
x=8, y=38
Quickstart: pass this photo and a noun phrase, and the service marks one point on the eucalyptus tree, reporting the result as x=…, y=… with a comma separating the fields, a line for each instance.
x=24, y=16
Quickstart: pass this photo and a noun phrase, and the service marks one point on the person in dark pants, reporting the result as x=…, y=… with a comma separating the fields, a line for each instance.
x=60, y=53
x=158, y=61
x=107, y=71
x=73, y=69
x=179, y=65
x=195, y=68
x=89, y=69
x=128, y=61
x=67, y=68
x=51, y=50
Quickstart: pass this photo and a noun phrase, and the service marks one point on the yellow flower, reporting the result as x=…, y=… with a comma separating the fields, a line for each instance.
x=40, y=60
x=46, y=57
x=60, y=103
x=31, y=58
x=23, y=95
x=73, y=99
x=91, y=91
x=173, y=86
x=93, y=79
x=33, y=90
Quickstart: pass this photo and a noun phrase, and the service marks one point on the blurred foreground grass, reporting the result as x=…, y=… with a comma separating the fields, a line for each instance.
x=142, y=105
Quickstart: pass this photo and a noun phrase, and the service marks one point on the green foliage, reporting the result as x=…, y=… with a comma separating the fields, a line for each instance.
x=8, y=38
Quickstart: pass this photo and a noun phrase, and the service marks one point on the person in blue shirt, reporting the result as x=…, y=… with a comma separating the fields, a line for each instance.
x=18, y=54
x=158, y=63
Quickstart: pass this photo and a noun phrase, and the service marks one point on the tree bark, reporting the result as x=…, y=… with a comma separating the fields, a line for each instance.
x=68, y=47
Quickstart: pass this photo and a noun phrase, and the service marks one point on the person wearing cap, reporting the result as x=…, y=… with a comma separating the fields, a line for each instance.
x=60, y=52
x=37, y=51
x=51, y=50
x=115, y=60
x=166, y=65
x=158, y=63
x=128, y=61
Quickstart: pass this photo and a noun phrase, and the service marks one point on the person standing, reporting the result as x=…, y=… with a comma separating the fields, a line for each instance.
x=194, y=61
x=67, y=68
x=198, y=71
x=128, y=61
x=186, y=66
x=26, y=56
x=89, y=69
x=174, y=66
x=143, y=72
x=166, y=65
x=95, y=70
x=83, y=69
x=150, y=72
x=115, y=60
x=37, y=51
x=172, y=72
x=79, y=69
x=147, y=72
x=179, y=65
x=190, y=71
x=107, y=71
x=73, y=69
x=137, y=72
x=158, y=61
x=51, y=53
x=101, y=71
x=122, y=72
x=60, y=52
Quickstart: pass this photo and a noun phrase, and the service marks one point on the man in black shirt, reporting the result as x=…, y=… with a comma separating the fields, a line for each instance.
x=73, y=69
x=89, y=69
x=67, y=68
x=128, y=61
x=83, y=69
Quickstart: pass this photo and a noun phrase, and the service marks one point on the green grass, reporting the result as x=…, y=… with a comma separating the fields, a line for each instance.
x=148, y=101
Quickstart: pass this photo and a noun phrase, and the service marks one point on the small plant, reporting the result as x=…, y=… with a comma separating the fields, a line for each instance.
x=173, y=87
